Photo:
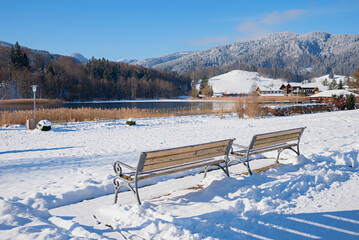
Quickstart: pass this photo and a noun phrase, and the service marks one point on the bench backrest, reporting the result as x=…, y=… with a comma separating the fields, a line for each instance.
x=183, y=155
x=274, y=138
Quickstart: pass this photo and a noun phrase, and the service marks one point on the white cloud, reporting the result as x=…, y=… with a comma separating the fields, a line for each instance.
x=210, y=41
x=276, y=17
x=251, y=30
x=262, y=26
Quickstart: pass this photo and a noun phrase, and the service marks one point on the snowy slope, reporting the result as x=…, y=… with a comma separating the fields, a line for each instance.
x=238, y=81
x=58, y=184
x=295, y=52
x=319, y=81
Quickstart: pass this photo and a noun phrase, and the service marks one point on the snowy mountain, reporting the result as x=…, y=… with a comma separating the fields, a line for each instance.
x=318, y=52
x=5, y=44
x=238, y=81
x=79, y=57
x=151, y=62
x=128, y=60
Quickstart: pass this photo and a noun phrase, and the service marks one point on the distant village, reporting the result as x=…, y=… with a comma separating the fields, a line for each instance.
x=321, y=89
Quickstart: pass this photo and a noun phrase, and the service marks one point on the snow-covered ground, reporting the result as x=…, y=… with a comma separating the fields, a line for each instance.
x=58, y=184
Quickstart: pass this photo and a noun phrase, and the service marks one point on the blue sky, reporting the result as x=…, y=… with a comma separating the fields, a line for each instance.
x=142, y=29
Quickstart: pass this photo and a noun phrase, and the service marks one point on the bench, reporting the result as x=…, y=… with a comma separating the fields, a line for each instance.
x=167, y=161
x=261, y=143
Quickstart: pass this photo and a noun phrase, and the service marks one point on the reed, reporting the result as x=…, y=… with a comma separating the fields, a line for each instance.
x=93, y=114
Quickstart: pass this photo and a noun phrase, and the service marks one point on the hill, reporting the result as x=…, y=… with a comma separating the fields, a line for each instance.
x=316, y=52
x=76, y=78
x=241, y=82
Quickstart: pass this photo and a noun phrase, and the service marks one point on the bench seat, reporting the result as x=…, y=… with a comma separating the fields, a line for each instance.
x=168, y=161
x=266, y=142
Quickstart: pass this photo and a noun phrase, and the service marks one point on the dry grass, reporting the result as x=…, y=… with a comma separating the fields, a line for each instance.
x=252, y=108
x=262, y=98
x=93, y=114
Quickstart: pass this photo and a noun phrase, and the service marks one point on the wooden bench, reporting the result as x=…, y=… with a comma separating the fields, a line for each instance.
x=261, y=143
x=167, y=161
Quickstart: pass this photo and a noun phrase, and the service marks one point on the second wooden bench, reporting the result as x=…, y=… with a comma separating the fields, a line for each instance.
x=266, y=142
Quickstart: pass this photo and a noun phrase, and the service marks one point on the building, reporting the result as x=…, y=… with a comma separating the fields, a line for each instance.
x=294, y=88
x=263, y=91
x=327, y=96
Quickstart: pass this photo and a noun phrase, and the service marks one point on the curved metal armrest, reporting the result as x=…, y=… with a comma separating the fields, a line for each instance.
x=117, y=166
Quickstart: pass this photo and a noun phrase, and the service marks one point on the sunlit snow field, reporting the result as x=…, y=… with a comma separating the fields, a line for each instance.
x=58, y=184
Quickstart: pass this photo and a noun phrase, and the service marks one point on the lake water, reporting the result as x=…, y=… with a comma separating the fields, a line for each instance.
x=159, y=104
x=141, y=104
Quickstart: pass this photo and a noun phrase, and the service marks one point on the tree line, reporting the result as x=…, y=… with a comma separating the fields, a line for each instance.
x=65, y=78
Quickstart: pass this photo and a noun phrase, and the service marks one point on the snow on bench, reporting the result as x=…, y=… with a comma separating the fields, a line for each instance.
x=167, y=161
x=265, y=142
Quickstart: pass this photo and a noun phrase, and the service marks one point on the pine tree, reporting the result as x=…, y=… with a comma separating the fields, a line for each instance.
x=18, y=59
x=350, y=101
x=325, y=82
x=333, y=85
x=203, y=84
x=340, y=85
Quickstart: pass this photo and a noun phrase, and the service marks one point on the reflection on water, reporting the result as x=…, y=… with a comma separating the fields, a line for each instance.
x=158, y=105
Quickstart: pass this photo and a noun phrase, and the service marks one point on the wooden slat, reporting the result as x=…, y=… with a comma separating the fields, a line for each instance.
x=188, y=157
x=274, y=147
x=213, y=152
x=179, y=169
x=280, y=133
x=172, y=151
x=264, y=142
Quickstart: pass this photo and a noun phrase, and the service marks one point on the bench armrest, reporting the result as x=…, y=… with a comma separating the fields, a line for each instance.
x=117, y=166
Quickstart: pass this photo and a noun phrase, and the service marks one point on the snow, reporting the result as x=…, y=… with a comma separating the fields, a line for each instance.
x=58, y=184
x=238, y=81
x=319, y=81
x=330, y=93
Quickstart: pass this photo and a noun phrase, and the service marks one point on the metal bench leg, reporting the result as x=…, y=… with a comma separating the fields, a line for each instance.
x=128, y=185
x=137, y=196
x=224, y=169
x=281, y=150
x=206, y=168
x=248, y=167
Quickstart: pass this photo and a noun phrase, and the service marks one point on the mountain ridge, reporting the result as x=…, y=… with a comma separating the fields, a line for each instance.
x=319, y=51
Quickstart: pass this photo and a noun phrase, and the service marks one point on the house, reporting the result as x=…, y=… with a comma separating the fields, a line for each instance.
x=294, y=88
x=327, y=96
x=263, y=91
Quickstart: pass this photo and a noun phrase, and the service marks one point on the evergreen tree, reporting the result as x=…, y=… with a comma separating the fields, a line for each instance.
x=333, y=85
x=18, y=59
x=350, y=101
x=325, y=82
x=203, y=84
x=340, y=85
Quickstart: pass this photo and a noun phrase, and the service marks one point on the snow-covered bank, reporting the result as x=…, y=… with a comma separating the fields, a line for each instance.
x=44, y=176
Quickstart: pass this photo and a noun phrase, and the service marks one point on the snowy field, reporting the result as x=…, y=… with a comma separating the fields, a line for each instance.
x=58, y=184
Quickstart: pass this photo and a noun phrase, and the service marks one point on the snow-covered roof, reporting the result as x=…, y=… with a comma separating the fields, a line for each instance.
x=330, y=93
x=296, y=84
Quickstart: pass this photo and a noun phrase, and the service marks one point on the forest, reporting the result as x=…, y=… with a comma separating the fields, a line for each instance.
x=62, y=77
